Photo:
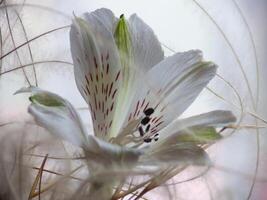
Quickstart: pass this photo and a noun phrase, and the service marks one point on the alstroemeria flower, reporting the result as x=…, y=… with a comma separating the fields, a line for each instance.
x=134, y=94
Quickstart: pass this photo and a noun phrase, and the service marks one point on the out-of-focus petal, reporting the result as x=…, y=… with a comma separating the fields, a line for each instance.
x=56, y=115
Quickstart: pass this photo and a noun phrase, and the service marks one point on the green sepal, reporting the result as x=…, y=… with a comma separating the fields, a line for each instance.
x=46, y=100
x=199, y=135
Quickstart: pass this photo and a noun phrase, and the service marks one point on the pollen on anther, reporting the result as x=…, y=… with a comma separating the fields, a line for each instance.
x=149, y=111
x=147, y=140
x=145, y=120
x=141, y=131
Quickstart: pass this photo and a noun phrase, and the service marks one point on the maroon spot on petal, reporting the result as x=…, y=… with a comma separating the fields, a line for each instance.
x=153, y=119
x=95, y=62
x=136, y=108
x=118, y=74
x=143, y=102
x=154, y=131
x=146, y=106
x=163, y=108
x=159, y=119
x=156, y=106
x=84, y=91
x=138, y=112
x=112, y=105
x=106, y=90
x=88, y=89
x=99, y=105
x=95, y=102
x=110, y=123
x=96, y=77
x=94, y=115
x=110, y=89
x=107, y=70
x=91, y=77
x=130, y=117
x=159, y=124
x=87, y=81
x=96, y=90
x=113, y=95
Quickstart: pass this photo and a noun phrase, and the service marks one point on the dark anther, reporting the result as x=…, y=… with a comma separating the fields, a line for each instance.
x=156, y=139
x=145, y=120
x=149, y=111
x=156, y=135
x=147, y=140
x=141, y=131
x=148, y=127
x=121, y=16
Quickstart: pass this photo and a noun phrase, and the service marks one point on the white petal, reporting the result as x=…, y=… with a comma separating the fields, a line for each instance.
x=146, y=52
x=56, y=115
x=217, y=118
x=180, y=78
x=146, y=47
x=96, y=68
x=169, y=88
x=58, y=123
x=106, y=16
x=176, y=154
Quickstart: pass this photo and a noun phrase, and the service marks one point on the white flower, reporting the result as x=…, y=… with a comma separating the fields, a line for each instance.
x=135, y=96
